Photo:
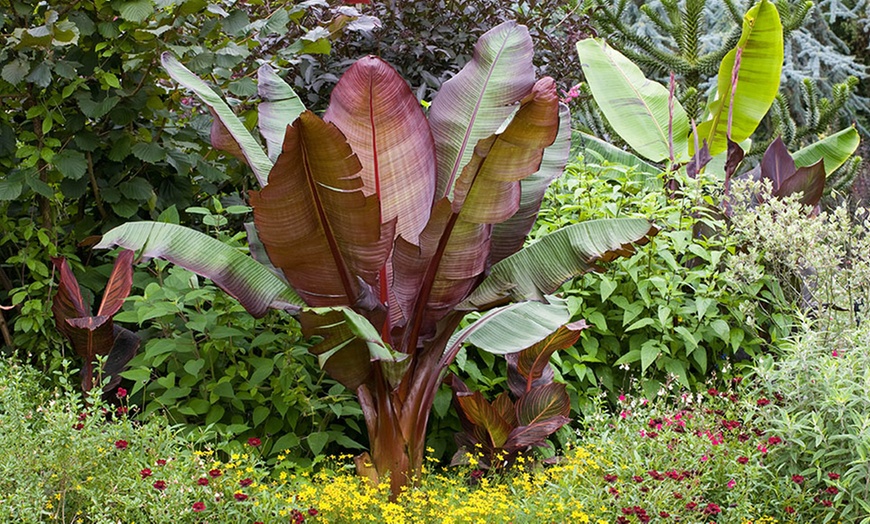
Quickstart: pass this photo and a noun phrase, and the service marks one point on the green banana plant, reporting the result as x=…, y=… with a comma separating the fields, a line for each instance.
x=382, y=227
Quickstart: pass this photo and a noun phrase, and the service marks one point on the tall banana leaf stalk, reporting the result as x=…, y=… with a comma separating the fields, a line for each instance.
x=381, y=228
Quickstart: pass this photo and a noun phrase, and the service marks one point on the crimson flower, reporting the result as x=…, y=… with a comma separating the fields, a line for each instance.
x=664, y=514
x=789, y=510
x=678, y=495
x=122, y=410
x=691, y=506
x=254, y=441
x=121, y=444
x=712, y=509
x=313, y=512
x=79, y=426
x=214, y=473
x=762, y=402
x=827, y=503
x=161, y=462
x=246, y=482
x=240, y=496
x=742, y=460
x=832, y=490
x=637, y=478
x=160, y=485
x=476, y=474
x=713, y=392
x=202, y=481
x=120, y=392
x=613, y=491
x=145, y=473
x=834, y=476
x=797, y=479
x=610, y=478
x=198, y=506
x=774, y=440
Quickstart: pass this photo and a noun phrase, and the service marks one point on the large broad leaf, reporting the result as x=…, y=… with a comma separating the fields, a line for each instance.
x=119, y=285
x=761, y=54
x=543, y=403
x=473, y=104
x=280, y=106
x=809, y=180
x=386, y=128
x=455, y=243
x=534, y=434
x=225, y=120
x=777, y=164
x=834, y=150
x=635, y=107
x=124, y=348
x=508, y=236
x=543, y=266
x=478, y=412
x=249, y=282
x=510, y=328
x=316, y=223
x=531, y=363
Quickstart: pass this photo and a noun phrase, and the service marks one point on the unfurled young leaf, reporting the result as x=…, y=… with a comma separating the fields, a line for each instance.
x=96, y=335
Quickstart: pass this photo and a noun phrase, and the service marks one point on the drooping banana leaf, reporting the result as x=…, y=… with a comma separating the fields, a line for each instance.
x=508, y=236
x=254, y=286
x=834, y=150
x=761, y=55
x=349, y=346
x=225, y=120
x=635, y=107
x=279, y=107
x=510, y=328
x=541, y=267
x=473, y=104
x=612, y=154
x=314, y=220
x=386, y=128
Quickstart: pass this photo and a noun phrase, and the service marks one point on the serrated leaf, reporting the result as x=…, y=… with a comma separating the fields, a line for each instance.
x=148, y=152
x=71, y=164
x=15, y=71
x=136, y=11
x=41, y=75
x=11, y=186
x=136, y=189
x=277, y=23
x=96, y=110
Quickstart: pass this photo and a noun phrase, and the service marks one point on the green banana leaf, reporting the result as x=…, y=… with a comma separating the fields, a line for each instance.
x=254, y=286
x=544, y=265
x=761, y=54
x=613, y=154
x=226, y=122
x=280, y=106
x=635, y=107
x=834, y=150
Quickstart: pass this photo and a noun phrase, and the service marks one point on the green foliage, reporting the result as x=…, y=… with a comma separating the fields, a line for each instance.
x=668, y=312
x=206, y=362
x=821, y=378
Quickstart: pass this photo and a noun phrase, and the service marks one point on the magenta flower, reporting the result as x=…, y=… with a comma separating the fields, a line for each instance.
x=198, y=507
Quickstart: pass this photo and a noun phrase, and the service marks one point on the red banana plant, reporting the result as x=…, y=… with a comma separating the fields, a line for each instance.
x=381, y=228
x=96, y=335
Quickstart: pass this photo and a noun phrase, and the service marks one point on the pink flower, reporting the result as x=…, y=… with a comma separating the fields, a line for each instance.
x=120, y=392
x=762, y=448
x=731, y=484
x=835, y=353
x=705, y=458
x=622, y=398
x=254, y=441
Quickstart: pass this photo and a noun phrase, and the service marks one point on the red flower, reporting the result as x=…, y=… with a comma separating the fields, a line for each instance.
x=245, y=482
x=789, y=510
x=797, y=479
x=712, y=509
x=120, y=392
x=664, y=514
x=762, y=402
x=713, y=392
x=121, y=444
x=79, y=426
x=202, y=481
x=161, y=462
x=834, y=476
x=145, y=473
x=655, y=475
x=742, y=460
x=214, y=473
x=691, y=506
x=610, y=478
x=83, y=416
x=476, y=474
x=637, y=478
x=254, y=441
x=827, y=503
x=613, y=491
x=240, y=496
x=198, y=506
x=678, y=495
x=122, y=410
x=313, y=512
x=832, y=490
x=774, y=441
x=160, y=485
